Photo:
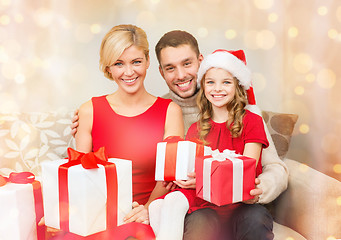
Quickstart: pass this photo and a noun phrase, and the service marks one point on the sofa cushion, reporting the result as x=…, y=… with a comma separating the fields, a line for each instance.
x=282, y=232
x=26, y=139
x=311, y=204
x=281, y=126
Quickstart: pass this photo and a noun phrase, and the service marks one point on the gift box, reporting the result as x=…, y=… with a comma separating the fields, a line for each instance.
x=86, y=194
x=175, y=158
x=21, y=207
x=225, y=178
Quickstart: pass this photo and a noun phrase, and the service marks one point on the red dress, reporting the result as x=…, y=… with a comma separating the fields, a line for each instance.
x=220, y=138
x=132, y=138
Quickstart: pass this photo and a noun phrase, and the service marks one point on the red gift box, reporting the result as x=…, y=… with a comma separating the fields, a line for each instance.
x=225, y=178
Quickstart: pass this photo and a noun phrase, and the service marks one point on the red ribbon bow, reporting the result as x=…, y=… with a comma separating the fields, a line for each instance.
x=88, y=160
x=21, y=178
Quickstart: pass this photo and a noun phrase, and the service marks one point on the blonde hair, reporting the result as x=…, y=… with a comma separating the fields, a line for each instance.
x=236, y=109
x=117, y=40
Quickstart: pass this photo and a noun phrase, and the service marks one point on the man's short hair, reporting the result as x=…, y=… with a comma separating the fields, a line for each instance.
x=175, y=39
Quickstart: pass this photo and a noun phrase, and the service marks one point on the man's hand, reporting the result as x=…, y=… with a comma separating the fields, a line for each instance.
x=138, y=214
x=254, y=192
x=74, y=123
x=190, y=183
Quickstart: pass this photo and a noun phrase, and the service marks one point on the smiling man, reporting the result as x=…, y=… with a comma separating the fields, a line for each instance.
x=179, y=60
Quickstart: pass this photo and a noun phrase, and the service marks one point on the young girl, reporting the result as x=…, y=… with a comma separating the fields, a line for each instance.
x=224, y=123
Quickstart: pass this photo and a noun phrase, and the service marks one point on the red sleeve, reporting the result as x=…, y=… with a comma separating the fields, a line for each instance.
x=254, y=129
x=192, y=132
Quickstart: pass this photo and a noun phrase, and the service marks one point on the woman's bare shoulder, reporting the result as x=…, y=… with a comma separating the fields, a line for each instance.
x=86, y=108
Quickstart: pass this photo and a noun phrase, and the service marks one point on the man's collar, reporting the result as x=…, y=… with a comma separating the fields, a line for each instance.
x=184, y=102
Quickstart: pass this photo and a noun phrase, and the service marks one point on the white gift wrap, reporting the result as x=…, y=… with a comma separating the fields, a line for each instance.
x=185, y=160
x=17, y=212
x=87, y=195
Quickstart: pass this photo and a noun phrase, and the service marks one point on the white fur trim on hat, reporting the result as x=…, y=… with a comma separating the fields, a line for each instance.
x=228, y=62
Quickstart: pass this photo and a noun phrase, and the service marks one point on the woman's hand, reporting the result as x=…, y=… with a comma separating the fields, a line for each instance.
x=254, y=192
x=190, y=183
x=138, y=214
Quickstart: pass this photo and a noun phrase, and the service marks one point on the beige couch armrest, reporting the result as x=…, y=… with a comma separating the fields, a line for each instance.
x=311, y=204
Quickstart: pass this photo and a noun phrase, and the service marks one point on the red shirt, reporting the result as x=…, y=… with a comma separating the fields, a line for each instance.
x=220, y=137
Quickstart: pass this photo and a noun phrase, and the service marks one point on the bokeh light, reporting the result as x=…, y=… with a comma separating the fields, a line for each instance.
x=326, y=78
x=332, y=33
x=5, y=20
x=299, y=90
x=338, y=200
x=292, y=32
x=310, y=77
x=263, y=4
x=230, y=34
x=273, y=17
x=323, y=10
x=337, y=168
x=338, y=13
x=302, y=63
x=95, y=28
x=18, y=18
x=304, y=128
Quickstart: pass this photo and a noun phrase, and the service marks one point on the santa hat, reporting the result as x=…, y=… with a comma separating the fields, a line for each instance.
x=235, y=63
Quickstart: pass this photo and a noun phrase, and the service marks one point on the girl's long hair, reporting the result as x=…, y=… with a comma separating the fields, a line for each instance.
x=236, y=109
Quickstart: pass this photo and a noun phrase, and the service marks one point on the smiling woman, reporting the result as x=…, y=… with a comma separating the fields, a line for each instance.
x=120, y=121
x=129, y=70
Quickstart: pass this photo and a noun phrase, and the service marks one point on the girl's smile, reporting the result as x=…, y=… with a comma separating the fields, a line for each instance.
x=219, y=87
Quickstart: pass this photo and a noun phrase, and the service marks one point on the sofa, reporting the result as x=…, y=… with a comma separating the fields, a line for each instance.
x=310, y=208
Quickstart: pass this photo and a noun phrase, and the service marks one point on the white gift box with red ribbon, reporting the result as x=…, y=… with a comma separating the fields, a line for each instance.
x=225, y=178
x=18, y=212
x=175, y=158
x=86, y=210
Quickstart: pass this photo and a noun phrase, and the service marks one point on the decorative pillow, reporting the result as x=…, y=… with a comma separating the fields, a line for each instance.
x=26, y=139
x=281, y=126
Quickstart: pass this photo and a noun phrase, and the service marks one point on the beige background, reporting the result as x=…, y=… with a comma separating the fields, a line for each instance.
x=49, y=56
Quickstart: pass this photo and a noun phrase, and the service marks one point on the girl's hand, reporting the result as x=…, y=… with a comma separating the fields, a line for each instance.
x=138, y=214
x=51, y=231
x=254, y=192
x=190, y=183
x=169, y=185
